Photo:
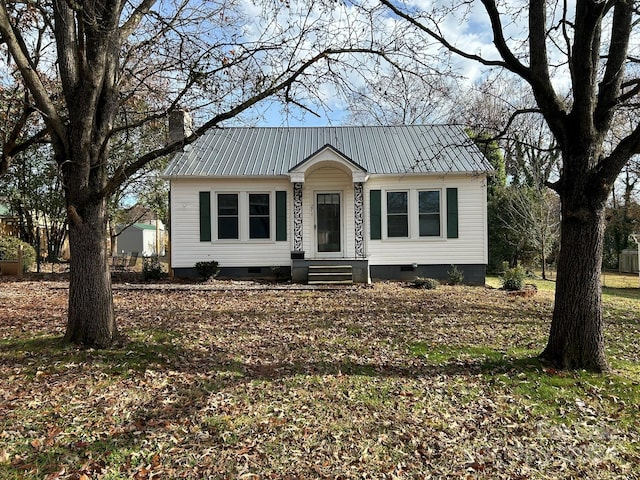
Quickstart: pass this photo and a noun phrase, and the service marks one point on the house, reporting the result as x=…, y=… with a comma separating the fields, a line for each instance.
x=140, y=238
x=382, y=202
x=9, y=223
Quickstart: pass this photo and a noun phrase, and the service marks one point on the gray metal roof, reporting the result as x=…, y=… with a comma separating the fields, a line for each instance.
x=272, y=151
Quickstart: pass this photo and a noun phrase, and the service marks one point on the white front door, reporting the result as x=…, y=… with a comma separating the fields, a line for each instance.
x=328, y=224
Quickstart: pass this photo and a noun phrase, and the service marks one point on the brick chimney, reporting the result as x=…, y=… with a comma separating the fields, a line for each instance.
x=180, y=125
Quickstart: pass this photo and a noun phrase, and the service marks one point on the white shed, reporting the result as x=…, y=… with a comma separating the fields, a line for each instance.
x=629, y=260
x=141, y=238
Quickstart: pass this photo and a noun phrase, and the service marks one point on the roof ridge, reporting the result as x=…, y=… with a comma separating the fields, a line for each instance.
x=313, y=127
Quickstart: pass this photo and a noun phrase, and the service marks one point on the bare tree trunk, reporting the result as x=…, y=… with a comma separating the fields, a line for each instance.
x=544, y=257
x=576, y=339
x=544, y=269
x=113, y=240
x=91, y=318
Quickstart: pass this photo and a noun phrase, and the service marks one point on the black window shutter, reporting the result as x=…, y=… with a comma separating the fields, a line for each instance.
x=375, y=214
x=205, y=216
x=452, y=213
x=281, y=215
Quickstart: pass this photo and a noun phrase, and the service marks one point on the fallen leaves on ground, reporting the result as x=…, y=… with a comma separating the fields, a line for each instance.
x=251, y=381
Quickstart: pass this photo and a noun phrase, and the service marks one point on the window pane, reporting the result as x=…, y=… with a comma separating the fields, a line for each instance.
x=397, y=226
x=259, y=204
x=227, y=227
x=328, y=199
x=397, y=218
x=429, y=202
x=259, y=227
x=396, y=202
x=430, y=225
x=259, y=215
x=227, y=215
x=227, y=204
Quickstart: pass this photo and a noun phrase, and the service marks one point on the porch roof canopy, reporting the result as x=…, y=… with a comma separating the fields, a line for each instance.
x=332, y=156
x=277, y=151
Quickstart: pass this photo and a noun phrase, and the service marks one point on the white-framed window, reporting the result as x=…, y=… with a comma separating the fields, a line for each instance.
x=397, y=214
x=413, y=214
x=429, y=223
x=244, y=216
x=228, y=213
x=259, y=215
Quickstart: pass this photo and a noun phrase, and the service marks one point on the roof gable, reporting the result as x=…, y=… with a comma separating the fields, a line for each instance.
x=138, y=226
x=338, y=156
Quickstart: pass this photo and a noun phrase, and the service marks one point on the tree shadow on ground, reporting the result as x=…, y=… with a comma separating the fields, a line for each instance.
x=200, y=374
x=632, y=293
x=50, y=353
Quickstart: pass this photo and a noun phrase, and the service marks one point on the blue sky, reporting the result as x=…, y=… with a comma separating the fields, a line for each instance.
x=270, y=114
x=471, y=32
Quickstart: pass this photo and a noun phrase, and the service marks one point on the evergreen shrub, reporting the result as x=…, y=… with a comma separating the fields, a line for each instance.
x=9, y=251
x=207, y=270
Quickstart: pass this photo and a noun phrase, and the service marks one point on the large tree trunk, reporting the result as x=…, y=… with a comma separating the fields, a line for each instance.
x=576, y=339
x=91, y=318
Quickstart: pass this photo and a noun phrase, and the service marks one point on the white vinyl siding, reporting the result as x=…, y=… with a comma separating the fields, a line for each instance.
x=186, y=248
x=469, y=248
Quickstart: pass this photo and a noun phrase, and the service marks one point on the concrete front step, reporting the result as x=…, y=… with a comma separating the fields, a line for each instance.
x=330, y=282
x=330, y=274
x=330, y=268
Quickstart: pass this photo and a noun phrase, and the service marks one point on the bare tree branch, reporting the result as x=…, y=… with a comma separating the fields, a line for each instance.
x=285, y=81
x=15, y=44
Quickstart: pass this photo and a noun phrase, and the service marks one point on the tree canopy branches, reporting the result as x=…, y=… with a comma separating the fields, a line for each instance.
x=94, y=74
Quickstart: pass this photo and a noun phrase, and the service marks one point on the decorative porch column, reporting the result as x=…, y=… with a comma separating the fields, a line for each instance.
x=297, y=217
x=358, y=213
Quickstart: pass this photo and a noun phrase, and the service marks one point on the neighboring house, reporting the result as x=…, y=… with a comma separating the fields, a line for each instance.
x=140, y=214
x=13, y=226
x=9, y=224
x=390, y=202
x=140, y=238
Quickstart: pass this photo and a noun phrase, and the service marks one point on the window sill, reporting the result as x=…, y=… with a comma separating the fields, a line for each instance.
x=412, y=239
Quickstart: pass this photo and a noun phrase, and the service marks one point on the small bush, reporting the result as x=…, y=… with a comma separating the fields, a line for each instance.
x=281, y=274
x=9, y=251
x=513, y=278
x=152, y=268
x=456, y=277
x=207, y=270
x=426, y=283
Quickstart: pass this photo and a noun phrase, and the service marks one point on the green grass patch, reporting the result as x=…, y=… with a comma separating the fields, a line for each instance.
x=621, y=293
x=51, y=355
x=565, y=397
x=438, y=354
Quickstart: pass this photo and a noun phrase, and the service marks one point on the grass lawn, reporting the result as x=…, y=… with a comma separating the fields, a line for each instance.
x=381, y=381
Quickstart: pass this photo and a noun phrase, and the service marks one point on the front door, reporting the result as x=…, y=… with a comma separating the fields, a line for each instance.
x=328, y=222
